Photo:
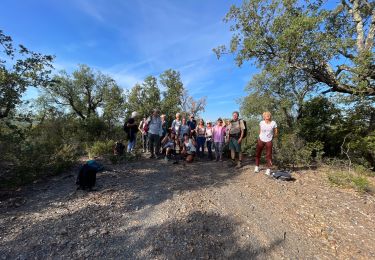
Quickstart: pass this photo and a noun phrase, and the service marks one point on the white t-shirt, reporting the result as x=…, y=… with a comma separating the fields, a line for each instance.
x=190, y=148
x=267, y=131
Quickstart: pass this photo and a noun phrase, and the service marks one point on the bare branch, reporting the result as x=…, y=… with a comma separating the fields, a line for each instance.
x=341, y=68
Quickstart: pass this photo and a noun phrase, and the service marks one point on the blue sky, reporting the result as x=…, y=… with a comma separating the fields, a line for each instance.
x=130, y=40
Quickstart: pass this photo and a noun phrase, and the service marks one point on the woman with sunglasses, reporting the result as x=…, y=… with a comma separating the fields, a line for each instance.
x=218, y=133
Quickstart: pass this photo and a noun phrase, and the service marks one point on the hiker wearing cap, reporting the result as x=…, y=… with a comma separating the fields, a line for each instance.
x=209, y=140
x=235, y=134
x=267, y=131
x=201, y=138
x=192, y=123
x=155, y=131
x=131, y=129
x=218, y=133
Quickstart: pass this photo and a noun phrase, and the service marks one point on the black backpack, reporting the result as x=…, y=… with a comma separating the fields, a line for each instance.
x=282, y=175
x=87, y=174
x=119, y=148
x=86, y=177
x=245, y=131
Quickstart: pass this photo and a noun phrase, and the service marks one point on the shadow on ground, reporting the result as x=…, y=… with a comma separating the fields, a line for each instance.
x=92, y=233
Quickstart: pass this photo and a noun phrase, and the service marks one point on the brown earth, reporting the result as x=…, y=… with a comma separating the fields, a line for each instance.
x=152, y=209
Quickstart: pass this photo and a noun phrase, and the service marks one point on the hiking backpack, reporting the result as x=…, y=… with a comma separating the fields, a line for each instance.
x=245, y=131
x=87, y=174
x=282, y=175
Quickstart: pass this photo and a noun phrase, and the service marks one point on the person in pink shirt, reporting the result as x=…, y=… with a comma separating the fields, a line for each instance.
x=218, y=133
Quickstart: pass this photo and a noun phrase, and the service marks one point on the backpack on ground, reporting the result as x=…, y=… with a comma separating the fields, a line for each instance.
x=119, y=148
x=86, y=178
x=282, y=175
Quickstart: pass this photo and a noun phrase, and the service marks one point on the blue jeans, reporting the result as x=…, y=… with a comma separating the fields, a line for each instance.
x=200, y=144
x=219, y=149
x=154, y=143
x=131, y=145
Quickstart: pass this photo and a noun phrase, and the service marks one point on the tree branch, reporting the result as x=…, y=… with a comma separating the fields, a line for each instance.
x=359, y=27
x=370, y=37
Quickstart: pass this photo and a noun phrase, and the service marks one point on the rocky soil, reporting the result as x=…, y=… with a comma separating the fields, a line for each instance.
x=152, y=209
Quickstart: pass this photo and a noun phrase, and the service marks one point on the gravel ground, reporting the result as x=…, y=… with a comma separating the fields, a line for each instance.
x=152, y=209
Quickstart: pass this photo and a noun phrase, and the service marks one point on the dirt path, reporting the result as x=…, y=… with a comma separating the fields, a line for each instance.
x=154, y=209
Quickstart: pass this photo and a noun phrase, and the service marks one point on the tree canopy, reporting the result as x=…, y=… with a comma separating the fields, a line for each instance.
x=20, y=68
x=334, y=48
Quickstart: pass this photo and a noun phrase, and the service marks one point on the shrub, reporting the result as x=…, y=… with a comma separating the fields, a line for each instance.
x=342, y=173
x=101, y=148
x=292, y=150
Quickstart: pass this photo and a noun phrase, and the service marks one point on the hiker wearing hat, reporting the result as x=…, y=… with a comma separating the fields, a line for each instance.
x=235, y=134
x=209, y=140
x=218, y=133
x=155, y=131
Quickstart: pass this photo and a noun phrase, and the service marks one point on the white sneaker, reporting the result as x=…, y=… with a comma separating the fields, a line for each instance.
x=256, y=170
x=268, y=172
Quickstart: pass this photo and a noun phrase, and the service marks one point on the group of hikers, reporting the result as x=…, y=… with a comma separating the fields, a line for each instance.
x=187, y=139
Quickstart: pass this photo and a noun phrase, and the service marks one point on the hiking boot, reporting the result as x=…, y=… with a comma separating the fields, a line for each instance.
x=256, y=170
x=151, y=156
x=239, y=165
x=217, y=159
x=268, y=172
x=166, y=158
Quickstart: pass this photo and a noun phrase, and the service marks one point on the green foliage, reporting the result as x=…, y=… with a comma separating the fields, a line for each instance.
x=174, y=88
x=34, y=156
x=19, y=69
x=101, y=148
x=352, y=180
x=293, y=151
x=84, y=92
x=307, y=38
x=144, y=97
x=249, y=143
x=320, y=121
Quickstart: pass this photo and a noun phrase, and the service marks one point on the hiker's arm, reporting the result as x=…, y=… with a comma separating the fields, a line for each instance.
x=242, y=127
x=276, y=133
x=164, y=139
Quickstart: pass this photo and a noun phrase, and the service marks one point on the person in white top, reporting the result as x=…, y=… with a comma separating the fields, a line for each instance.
x=188, y=150
x=267, y=132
